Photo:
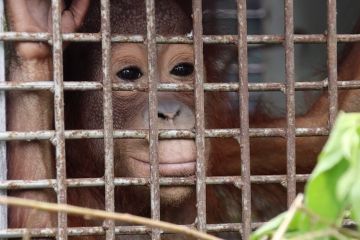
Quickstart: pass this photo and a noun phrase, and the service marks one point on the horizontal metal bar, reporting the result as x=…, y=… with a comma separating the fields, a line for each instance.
x=163, y=134
x=119, y=230
x=230, y=227
x=176, y=181
x=79, y=231
x=176, y=87
x=232, y=14
x=209, y=39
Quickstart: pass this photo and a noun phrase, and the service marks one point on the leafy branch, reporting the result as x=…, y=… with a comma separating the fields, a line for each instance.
x=332, y=191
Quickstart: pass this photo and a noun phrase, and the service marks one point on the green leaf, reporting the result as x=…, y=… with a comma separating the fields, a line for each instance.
x=350, y=143
x=344, y=184
x=321, y=196
x=355, y=194
x=328, y=188
x=332, y=158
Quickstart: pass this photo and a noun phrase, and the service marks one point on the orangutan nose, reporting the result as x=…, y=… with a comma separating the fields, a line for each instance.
x=169, y=110
x=172, y=114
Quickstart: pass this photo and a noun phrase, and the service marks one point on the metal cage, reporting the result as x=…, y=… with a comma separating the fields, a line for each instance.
x=331, y=38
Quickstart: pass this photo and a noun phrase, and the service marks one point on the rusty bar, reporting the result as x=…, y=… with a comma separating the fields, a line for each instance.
x=108, y=117
x=209, y=39
x=3, y=153
x=163, y=134
x=228, y=87
x=244, y=119
x=79, y=231
x=175, y=181
x=119, y=230
x=59, y=117
x=290, y=100
x=176, y=87
x=199, y=116
x=153, y=115
x=332, y=61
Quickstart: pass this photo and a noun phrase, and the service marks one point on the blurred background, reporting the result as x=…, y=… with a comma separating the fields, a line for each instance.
x=267, y=62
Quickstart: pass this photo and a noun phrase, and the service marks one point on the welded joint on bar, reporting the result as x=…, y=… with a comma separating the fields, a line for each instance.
x=53, y=140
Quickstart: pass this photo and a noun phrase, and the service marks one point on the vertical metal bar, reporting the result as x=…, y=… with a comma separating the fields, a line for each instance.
x=199, y=116
x=244, y=118
x=3, y=165
x=59, y=117
x=153, y=115
x=290, y=100
x=332, y=61
x=108, y=116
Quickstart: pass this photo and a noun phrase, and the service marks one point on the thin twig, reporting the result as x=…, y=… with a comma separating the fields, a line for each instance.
x=288, y=218
x=349, y=233
x=53, y=207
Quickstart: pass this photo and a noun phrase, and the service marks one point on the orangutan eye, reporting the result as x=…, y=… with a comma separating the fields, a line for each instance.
x=130, y=73
x=183, y=69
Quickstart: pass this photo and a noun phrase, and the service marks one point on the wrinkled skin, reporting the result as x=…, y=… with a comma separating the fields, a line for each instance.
x=177, y=158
